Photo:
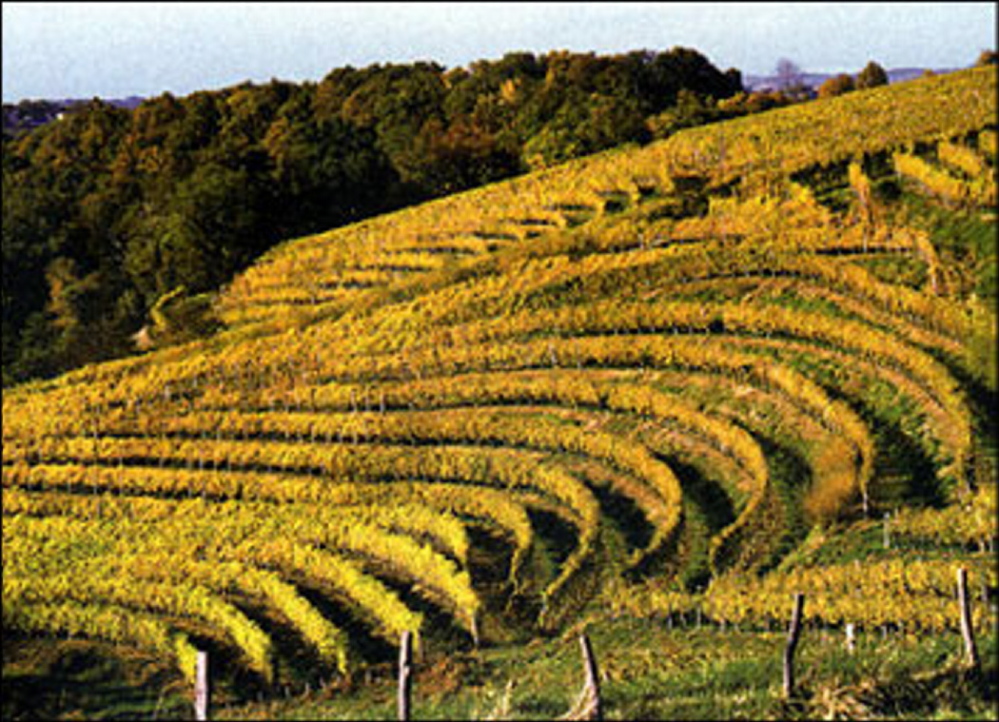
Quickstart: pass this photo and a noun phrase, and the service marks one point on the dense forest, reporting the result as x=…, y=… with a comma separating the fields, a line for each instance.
x=109, y=210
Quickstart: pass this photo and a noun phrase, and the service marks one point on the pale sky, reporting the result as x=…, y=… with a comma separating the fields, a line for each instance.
x=112, y=50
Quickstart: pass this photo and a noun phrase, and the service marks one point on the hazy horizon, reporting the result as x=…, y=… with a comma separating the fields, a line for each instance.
x=115, y=50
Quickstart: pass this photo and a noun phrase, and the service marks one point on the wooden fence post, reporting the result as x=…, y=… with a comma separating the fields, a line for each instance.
x=475, y=631
x=793, y=633
x=967, y=628
x=851, y=637
x=201, y=687
x=405, y=674
x=587, y=707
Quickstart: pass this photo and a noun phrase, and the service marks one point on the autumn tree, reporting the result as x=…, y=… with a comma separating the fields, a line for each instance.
x=871, y=76
x=836, y=85
x=987, y=57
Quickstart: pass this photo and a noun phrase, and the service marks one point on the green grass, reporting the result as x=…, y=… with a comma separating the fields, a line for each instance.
x=965, y=239
x=649, y=671
x=81, y=679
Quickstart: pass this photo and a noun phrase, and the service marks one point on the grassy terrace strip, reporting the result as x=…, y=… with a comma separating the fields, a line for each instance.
x=912, y=593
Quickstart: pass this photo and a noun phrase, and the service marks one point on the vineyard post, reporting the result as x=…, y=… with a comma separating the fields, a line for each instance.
x=201, y=687
x=405, y=675
x=96, y=455
x=475, y=630
x=851, y=637
x=588, y=704
x=793, y=633
x=967, y=630
x=887, y=535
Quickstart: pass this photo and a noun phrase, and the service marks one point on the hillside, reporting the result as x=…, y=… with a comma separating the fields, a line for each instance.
x=110, y=211
x=682, y=379
x=29, y=114
x=814, y=80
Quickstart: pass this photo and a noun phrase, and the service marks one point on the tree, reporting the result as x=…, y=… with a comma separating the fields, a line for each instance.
x=749, y=103
x=788, y=74
x=667, y=73
x=836, y=85
x=690, y=110
x=871, y=76
x=791, y=81
x=987, y=57
x=461, y=156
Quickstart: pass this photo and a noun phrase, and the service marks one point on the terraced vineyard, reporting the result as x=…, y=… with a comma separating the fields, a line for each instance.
x=646, y=379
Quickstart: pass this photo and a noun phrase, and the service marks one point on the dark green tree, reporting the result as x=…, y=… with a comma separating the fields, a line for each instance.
x=871, y=76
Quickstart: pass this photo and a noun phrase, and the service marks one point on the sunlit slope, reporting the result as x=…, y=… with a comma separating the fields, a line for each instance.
x=330, y=269
x=645, y=375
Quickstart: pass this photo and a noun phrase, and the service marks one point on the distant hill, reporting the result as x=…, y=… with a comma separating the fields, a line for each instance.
x=814, y=80
x=29, y=114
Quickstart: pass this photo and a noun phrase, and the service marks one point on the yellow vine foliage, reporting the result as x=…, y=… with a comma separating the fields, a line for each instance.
x=540, y=354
